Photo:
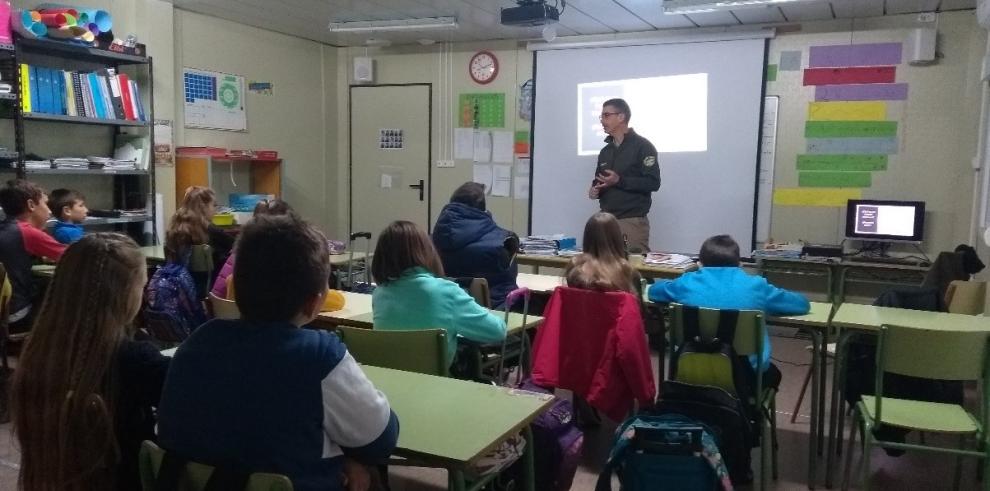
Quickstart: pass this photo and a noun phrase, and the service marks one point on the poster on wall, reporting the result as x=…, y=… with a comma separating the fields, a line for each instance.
x=390, y=139
x=163, y=142
x=213, y=100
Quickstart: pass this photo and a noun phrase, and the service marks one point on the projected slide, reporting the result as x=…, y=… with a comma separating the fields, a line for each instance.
x=670, y=111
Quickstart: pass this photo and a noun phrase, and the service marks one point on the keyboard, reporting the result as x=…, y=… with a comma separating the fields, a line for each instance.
x=903, y=261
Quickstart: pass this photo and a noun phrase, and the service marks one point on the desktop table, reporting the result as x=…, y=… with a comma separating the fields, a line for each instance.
x=838, y=274
x=855, y=319
x=816, y=324
x=452, y=423
x=156, y=255
x=652, y=271
x=539, y=283
x=357, y=312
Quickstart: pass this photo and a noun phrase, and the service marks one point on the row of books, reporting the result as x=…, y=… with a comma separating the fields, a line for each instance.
x=103, y=94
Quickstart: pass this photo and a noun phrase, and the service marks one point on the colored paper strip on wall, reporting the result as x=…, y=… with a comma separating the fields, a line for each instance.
x=862, y=92
x=861, y=163
x=847, y=111
x=854, y=75
x=886, y=146
x=855, y=55
x=835, y=179
x=815, y=196
x=771, y=73
x=851, y=129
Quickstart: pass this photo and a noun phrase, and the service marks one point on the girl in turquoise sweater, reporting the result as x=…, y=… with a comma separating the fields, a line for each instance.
x=413, y=294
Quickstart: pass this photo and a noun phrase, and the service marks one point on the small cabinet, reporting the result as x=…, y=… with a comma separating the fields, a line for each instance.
x=227, y=175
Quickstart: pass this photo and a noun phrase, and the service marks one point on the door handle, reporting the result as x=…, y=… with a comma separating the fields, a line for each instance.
x=420, y=187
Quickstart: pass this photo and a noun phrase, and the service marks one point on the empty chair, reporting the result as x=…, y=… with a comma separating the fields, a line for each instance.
x=421, y=351
x=223, y=308
x=966, y=297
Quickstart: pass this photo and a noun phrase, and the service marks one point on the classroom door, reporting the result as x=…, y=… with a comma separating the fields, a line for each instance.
x=390, y=156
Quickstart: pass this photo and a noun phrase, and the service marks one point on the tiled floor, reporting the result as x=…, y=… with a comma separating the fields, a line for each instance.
x=910, y=472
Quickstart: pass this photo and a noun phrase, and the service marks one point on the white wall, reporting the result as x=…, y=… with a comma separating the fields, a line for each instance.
x=411, y=64
x=938, y=127
x=291, y=120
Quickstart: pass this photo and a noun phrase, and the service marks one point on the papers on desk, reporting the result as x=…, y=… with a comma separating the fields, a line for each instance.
x=678, y=261
x=546, y=245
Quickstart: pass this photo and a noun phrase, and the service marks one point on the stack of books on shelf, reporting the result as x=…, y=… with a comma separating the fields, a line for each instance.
x=37, y=164
x=107, y=163
x=71, y=163
x=103, y=94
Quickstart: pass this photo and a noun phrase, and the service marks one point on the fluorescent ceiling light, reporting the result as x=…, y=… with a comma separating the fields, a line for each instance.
x=422, y=24
x=672, y=7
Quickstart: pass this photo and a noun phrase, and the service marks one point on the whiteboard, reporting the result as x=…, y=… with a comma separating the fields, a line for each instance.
x=768, y=154
x=702, y=193
x=213, y=100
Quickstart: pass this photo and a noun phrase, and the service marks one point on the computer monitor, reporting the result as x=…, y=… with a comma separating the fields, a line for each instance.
x=885, y=220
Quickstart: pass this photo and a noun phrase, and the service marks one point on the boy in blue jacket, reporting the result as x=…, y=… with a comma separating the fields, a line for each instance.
x=69, y=208
x=262, y=394
x=722, y=284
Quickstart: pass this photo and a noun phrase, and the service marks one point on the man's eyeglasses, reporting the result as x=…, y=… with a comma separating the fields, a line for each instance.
x=606, y=115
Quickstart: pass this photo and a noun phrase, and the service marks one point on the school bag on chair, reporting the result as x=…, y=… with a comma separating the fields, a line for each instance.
x=666, y=452
x=710, y=362
x=171, y=294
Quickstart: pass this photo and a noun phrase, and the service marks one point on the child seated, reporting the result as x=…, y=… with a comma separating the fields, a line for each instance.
x=265, y=207
x=412, y=292
x=603, y=265
x=261, y=393
x=22, y=240
x=722, y=284
x=84, y=391
x=70, y=210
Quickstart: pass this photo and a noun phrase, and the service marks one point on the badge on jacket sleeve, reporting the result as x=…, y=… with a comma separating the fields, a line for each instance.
x=650, y=161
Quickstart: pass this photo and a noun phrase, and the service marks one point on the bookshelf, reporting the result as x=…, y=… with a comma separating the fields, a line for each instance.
x=50, y=133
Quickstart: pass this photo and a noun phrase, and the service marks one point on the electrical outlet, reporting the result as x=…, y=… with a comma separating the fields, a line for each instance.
x=445, y=163
x=926, y=17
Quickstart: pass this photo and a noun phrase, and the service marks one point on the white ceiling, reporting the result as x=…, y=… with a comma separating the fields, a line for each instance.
x=479, y=19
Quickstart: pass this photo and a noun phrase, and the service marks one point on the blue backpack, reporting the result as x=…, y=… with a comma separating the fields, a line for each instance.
x=171, y=295
x=671, y=451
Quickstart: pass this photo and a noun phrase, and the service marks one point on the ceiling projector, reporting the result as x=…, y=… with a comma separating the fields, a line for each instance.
x=530, y=13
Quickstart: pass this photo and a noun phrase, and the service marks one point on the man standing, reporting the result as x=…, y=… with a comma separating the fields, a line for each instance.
x=627, y=175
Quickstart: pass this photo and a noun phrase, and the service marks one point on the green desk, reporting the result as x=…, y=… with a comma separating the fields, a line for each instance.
x=816, y=324
x=652, y=271
x=857, y=319
x=451, y=423
x=154, y=254
x=357, y=313
x=43, y=270
x=839, y=274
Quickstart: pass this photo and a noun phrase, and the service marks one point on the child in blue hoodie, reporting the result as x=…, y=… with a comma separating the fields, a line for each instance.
x=69, y=208
x=471, y=244
x=722, y=284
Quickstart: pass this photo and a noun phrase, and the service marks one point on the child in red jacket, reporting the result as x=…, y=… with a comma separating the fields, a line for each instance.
x=22, y=240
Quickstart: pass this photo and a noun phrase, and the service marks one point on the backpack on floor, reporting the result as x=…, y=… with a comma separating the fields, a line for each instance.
x=667, y=452
x=720, y=411
x=557, y=444
x=712, y=362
